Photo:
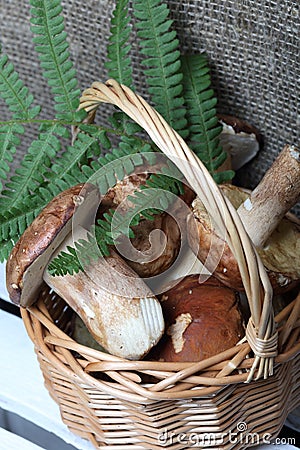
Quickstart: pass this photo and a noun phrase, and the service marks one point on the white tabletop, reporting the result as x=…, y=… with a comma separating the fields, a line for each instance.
x=3, y=291
x=22, y=385
x=10, y=441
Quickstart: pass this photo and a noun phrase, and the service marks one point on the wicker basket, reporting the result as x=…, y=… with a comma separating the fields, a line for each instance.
x=215, y=403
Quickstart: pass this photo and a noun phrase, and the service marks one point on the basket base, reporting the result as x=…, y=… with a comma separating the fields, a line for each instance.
x=237, y=417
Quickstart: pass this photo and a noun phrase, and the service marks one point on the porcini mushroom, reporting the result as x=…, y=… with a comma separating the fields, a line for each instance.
x=148, y=253
x=202, y=320
x=155, y=255
x=126, y=319
x=275, y=235
x=239, y=139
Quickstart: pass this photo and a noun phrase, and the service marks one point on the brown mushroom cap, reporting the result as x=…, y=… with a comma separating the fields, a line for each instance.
x=31, y=254
x=280, y=253
x=167, y=248
x=239, y=139
x=117, y=195
x=202, y=320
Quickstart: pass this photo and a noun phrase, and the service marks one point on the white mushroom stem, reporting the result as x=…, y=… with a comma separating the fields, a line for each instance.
x=117, y=307
x=278, y=191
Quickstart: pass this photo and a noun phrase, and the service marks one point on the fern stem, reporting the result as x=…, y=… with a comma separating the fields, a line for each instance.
x=66, y=123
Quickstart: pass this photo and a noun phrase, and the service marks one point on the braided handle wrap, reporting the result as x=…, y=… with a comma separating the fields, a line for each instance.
x=260, y=333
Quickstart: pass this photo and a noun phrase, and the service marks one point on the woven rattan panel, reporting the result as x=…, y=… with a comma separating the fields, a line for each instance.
x=253, y=48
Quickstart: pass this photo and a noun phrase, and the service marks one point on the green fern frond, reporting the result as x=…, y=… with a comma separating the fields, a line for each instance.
x=151, y=200
x=69, y=165
x=34, y=167
x=65, y=263
x=14, y=221
x=78, y=257
x=118, y=62
x=170, y=179
x=53, y=49
x=19, y=101
x=84, y=163
x=159, y=44
x=115, y=165
x=110, y=169
x=201, y=103
x=9, y=140
x=15, y=94
x=27, y=194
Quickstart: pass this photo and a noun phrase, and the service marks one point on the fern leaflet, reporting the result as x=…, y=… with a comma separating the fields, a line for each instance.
x=13, y=222
x=78, y=257
x=9, y=140
x=69, y=164
x=19, y=102
x=53, y=49
x=15, y=94
x=118, y=62
x=34, y=167
x=162, y=61
x=5, y=249
x=201, y=114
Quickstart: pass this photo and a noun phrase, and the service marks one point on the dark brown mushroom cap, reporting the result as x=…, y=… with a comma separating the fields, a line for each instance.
x=39, y=241
x=239, y=125
x=280, y=253
x=117, y=195
x=239, y=139
x=202, y=320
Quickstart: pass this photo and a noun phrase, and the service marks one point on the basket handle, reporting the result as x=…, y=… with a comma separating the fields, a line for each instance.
x=260, y=332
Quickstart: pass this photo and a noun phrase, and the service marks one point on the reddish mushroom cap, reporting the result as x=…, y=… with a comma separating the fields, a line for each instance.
x=202, y=320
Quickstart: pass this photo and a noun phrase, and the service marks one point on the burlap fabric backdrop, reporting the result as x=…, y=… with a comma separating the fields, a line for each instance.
x=253, y=48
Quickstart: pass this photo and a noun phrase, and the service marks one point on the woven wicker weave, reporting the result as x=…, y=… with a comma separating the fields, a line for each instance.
x=114, y=410
x=143, y=404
